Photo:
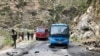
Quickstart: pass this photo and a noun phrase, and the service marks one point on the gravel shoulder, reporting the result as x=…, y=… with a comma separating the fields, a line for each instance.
x=21, y=48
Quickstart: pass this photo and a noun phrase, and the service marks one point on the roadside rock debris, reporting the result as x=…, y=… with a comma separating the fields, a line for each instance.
x=89, y=48
x=95, y=44
x=36, y=51
x=92, y=46
x=11, y=53
x=25, y=52
x=66, y=55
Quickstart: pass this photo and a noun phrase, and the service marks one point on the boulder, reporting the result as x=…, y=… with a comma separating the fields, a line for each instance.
x=88, y=34
x=84, y=23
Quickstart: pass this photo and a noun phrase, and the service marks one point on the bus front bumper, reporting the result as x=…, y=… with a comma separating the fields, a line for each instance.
x=53, y=41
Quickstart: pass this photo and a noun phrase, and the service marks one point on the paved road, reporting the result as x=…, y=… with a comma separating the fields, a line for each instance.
x=42, y=49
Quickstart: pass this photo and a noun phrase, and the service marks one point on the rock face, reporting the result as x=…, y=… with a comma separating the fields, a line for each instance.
x=87, y=27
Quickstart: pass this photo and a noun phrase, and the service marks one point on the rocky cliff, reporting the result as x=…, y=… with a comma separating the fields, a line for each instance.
x=87, y=25
x=26, y=13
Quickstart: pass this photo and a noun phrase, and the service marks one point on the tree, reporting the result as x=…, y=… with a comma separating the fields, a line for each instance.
x=55, y=8
x=56, y=13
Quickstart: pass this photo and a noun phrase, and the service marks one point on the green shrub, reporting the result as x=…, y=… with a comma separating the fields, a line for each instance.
x=7, y=40
x=73, y=38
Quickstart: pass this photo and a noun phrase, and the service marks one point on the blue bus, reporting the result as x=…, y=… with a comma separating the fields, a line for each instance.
x=59, y=34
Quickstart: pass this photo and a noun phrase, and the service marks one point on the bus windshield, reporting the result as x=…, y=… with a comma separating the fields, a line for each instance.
x=40, y=30
x=59, y=30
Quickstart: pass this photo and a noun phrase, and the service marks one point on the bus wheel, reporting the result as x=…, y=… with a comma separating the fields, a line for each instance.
x=37, y=38
x=51, y=46
x=66, y=47
x=46, y=38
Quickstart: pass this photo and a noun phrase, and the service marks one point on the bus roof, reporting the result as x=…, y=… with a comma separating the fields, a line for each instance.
x=59, y=24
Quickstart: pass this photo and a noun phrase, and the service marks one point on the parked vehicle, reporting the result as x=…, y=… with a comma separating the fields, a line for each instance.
x=59, y=34
x=41, y=33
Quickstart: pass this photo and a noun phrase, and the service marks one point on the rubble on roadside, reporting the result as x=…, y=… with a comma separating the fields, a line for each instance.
x=93, y=45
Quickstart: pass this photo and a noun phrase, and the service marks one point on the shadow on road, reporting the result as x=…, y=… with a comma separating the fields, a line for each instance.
x=42, y=40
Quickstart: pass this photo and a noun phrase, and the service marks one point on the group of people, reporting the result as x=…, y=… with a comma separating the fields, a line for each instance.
x=28, y=35
x=17, y=35
x=21, y=35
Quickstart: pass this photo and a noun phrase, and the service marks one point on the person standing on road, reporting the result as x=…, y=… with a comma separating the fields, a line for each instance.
x=14, y=36
x=28, y=35
x=31, y=34
x=19, y=34
x=22, y=35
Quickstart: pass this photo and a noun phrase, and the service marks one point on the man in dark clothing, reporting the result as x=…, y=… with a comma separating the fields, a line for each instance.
x=21, y=34
x=28, y=35
x=32, y=35
x=14, y=36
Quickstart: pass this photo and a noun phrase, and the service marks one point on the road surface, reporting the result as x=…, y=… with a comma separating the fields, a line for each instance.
x=42, y=49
